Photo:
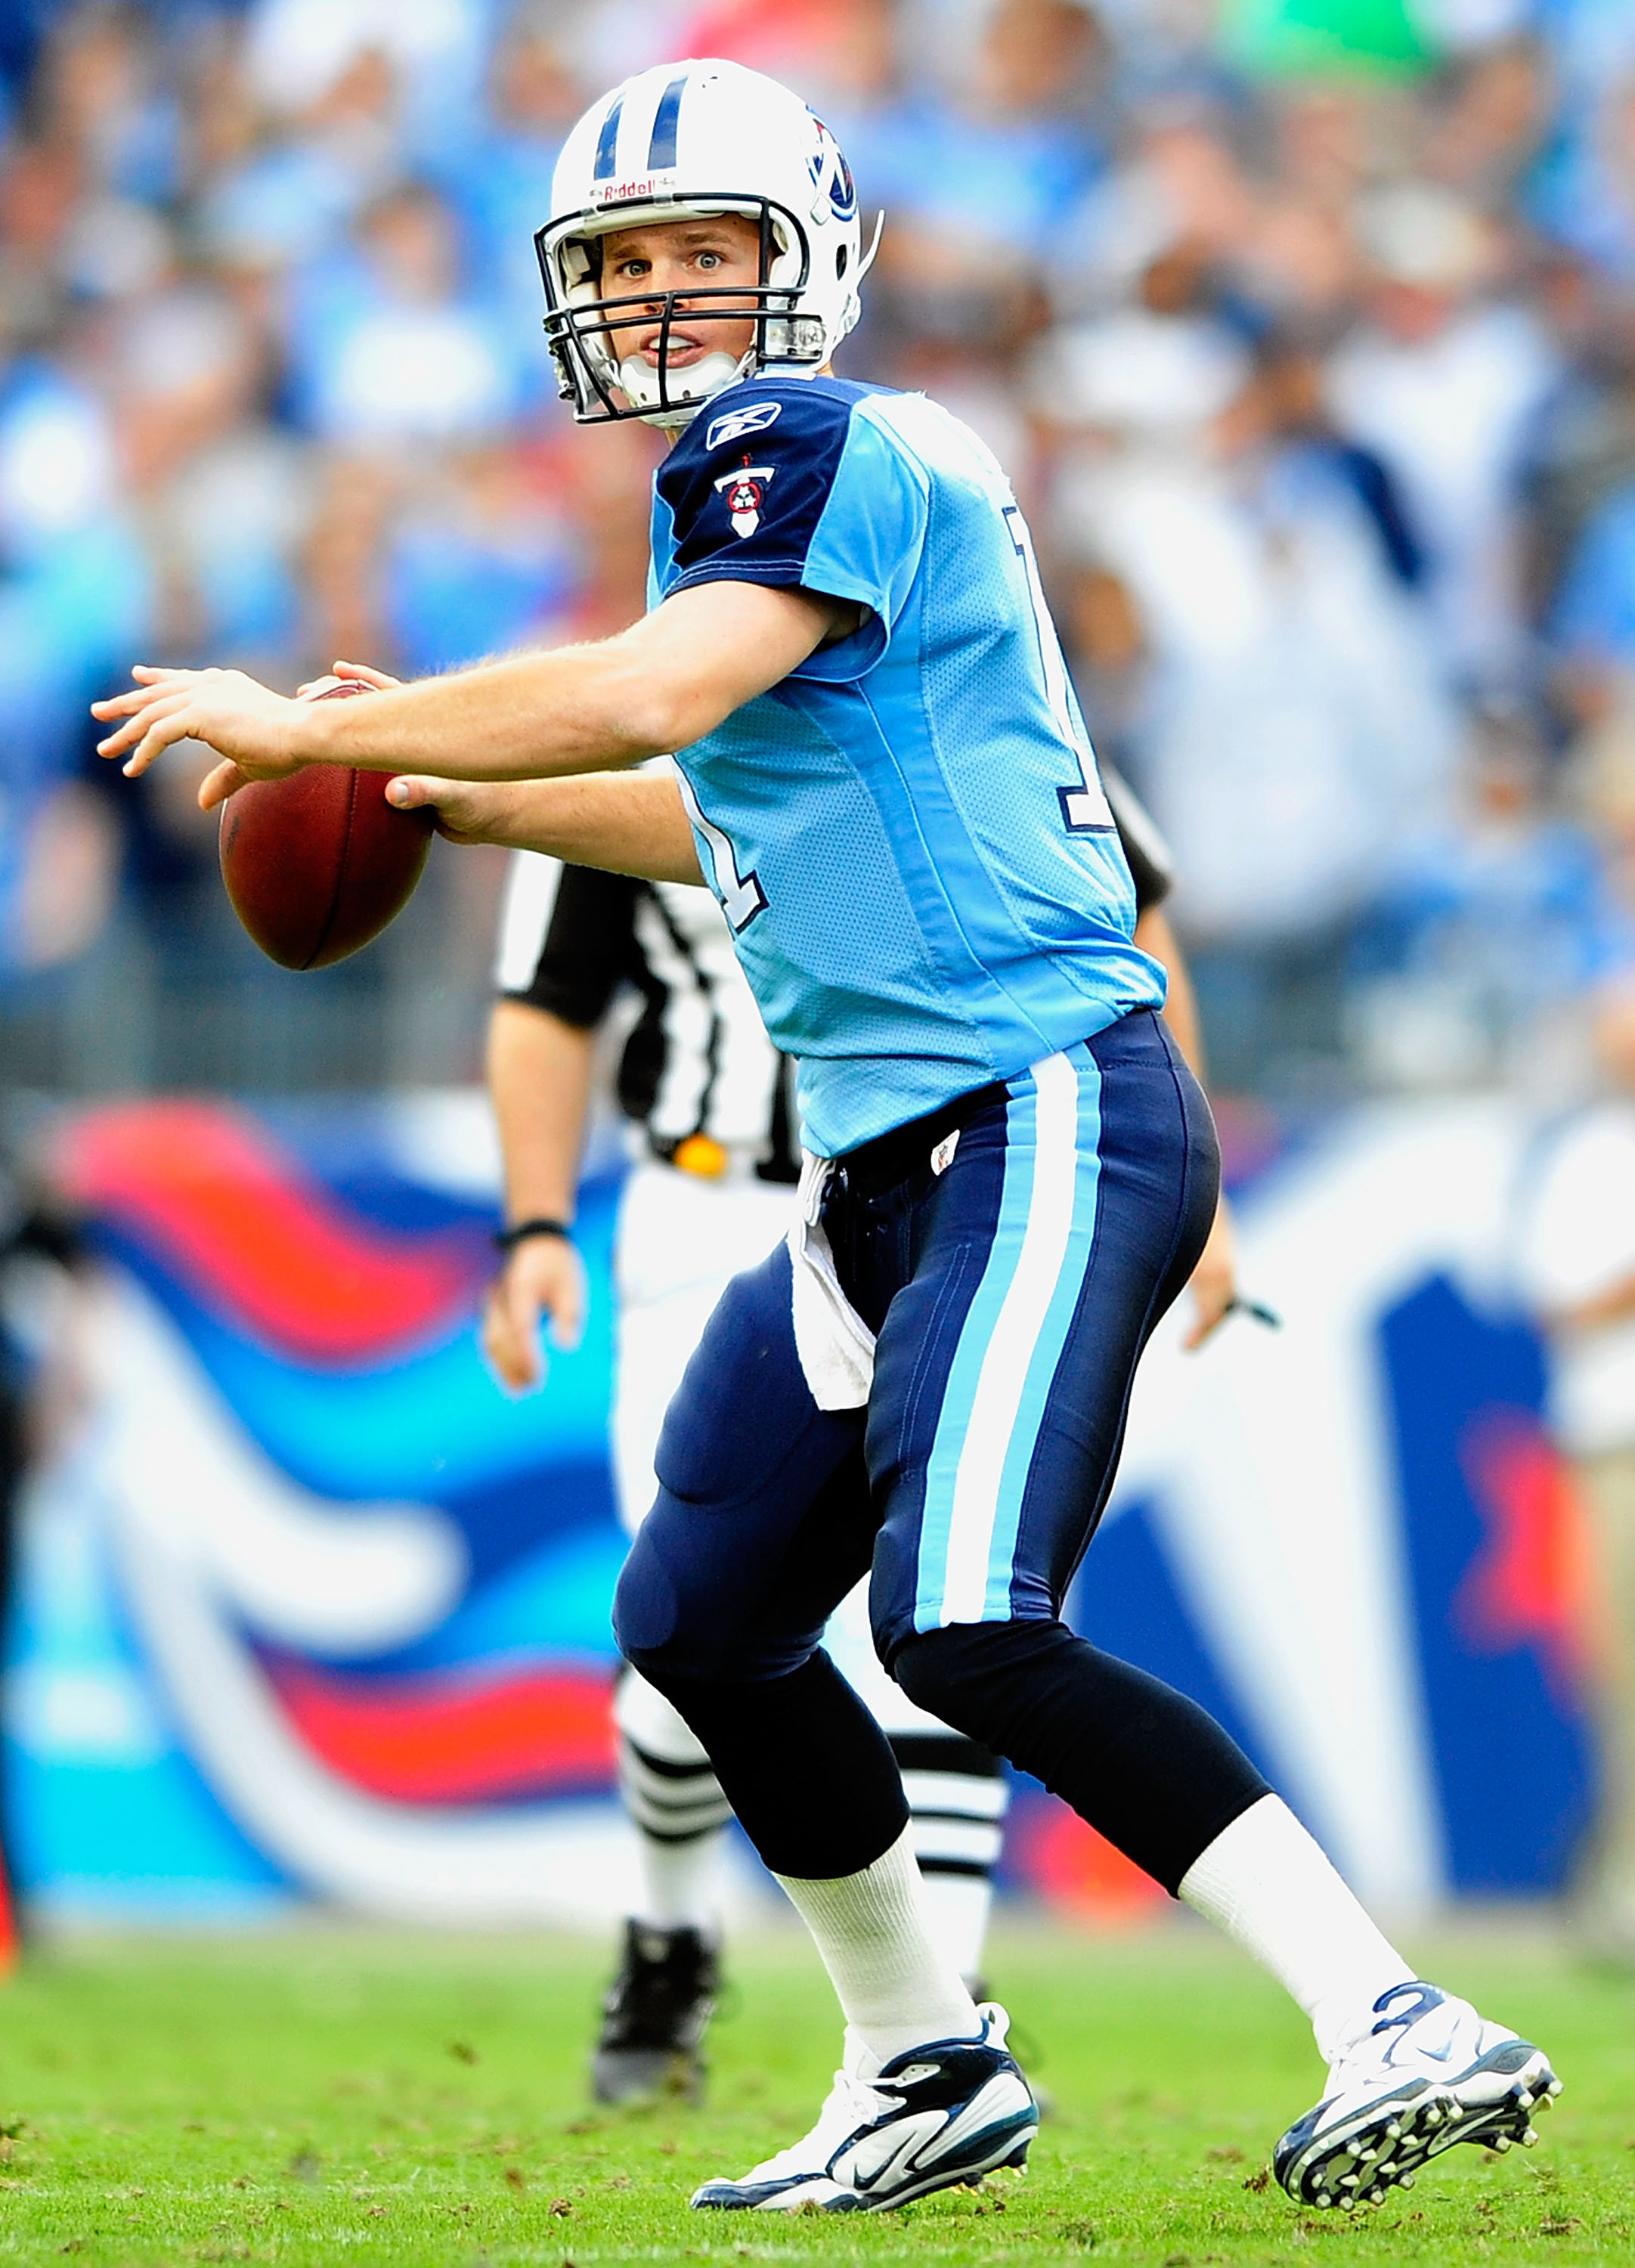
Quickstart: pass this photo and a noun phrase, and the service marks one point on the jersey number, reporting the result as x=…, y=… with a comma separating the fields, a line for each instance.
x=1084, y=809
x=741, y=895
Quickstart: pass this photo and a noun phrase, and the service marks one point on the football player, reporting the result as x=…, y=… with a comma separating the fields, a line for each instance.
x=715, y=1159
x=1010, y=1170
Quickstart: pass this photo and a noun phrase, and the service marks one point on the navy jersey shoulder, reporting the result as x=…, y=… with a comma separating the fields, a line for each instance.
x=747, y=483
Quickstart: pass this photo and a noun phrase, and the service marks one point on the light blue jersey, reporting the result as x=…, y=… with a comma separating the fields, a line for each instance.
x=907, y=834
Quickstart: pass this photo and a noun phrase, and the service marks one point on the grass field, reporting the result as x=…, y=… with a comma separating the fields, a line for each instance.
x=386, y=2099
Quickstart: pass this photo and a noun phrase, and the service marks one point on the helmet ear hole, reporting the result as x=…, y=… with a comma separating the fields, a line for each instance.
x=840, y=261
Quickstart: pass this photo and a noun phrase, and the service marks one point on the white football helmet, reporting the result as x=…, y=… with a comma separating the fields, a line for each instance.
x=682, y=142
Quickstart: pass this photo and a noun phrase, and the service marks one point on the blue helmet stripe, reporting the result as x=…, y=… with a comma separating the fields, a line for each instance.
x=608, y=141
x=661, y=149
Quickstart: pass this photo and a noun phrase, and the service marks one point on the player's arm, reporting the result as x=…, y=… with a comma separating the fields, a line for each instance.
x=565, y=951
x=621, y=822
x=539, y=1074
x=567, y=947
x=660, y=685
x=1214, y=1280
x=1154, y=935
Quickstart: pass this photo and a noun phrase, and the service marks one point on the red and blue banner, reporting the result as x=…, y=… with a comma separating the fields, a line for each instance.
x=307, y=1607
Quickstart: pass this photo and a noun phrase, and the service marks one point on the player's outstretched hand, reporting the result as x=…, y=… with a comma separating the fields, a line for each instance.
x=257, y=732
x=1214, y=1279
x=542, y=1276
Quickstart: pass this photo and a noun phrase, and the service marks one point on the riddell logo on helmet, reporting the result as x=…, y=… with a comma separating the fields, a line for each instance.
x=625, y=192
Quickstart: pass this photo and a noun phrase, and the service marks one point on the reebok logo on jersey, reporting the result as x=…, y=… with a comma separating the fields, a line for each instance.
x=752, y=418
x=745, y=491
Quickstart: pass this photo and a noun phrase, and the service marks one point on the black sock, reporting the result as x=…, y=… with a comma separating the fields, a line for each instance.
x=1147, y=1767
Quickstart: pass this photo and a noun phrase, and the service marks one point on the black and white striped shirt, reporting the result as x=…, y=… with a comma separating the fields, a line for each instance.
x=697, y=1060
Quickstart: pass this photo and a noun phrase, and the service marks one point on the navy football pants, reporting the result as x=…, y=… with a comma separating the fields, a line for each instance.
x=1012, y=1294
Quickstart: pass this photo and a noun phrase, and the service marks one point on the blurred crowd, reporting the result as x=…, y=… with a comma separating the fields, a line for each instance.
x=1305, y=328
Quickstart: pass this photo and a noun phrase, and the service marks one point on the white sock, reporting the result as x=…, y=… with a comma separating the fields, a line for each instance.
x=680, y=1882
x=896, y=1989
x=672, y=1795
x=1266, y=1882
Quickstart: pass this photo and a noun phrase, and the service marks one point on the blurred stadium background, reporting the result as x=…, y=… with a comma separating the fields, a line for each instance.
x=1306, y=329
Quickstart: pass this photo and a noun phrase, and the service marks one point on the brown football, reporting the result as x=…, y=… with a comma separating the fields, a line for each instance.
x=318, y=863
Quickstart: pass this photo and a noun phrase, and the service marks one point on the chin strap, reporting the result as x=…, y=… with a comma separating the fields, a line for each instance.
x=710, y=377
x=867, y=260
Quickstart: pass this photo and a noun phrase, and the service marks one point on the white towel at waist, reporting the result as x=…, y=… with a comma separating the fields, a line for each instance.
x=835, y=1345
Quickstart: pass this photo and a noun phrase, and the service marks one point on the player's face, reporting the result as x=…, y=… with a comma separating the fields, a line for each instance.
x=679, y=257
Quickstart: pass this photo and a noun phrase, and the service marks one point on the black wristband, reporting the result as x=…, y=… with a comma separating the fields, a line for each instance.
x=508, y=1238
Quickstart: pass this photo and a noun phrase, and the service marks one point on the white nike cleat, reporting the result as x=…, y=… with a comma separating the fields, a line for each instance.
x=1430, y=2073
x=932, y=2117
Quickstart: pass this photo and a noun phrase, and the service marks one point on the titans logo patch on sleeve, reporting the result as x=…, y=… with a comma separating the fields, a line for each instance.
x=744, y=491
